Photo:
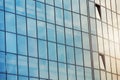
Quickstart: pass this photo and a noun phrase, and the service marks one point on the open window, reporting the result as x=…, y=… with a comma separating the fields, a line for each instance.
x=98, y=11
x=102, y=61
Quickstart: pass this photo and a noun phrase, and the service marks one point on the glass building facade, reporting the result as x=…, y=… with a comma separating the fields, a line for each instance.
x=59, y=39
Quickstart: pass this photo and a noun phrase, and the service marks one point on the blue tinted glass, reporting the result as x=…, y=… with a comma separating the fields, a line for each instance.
x=42, y=49
x=53, y=70
x=71, y=72
x=11, y=77
x=67, y=4
x=87, y=58
x=83, y=7
x=2, y=62
x=84, y=23
x=1, y=4
x=58, y=3
x=59, y=16
x=60, y=35
x=41, y=0
x=11, y=42
x=70, y=55
x=33, y=67
x=85, y=38
x=31, y=27
x=22, y=78
x=2, y=77
x=41, y=27
x=88, y=74
x=10, y=24
x=11, y=63
x=1, y=20
x=21, y=25
x=79, y=56
x=43, y=65
x=68, y=18
x=76, y=21
x=50, y=13
x=30, y=8
x=75, y=5
x=50, y=2
x=51, y=32
x=32, y=47
x=40, y=11
x=2, y=41
x=33, y=79
x=10, y=5
x=69, y=36
x=77, y=39
x=52, y=51
x=62, y=72
x=61, y=53
x=80, y=73
x=22, y=65
x=20, y=7
x=22, y=45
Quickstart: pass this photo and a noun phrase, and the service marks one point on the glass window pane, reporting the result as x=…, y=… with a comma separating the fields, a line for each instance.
x=76, y=21
x=88, y=74
x=75, y=5
x=30, y=8
x=21, y=25
x=61, y=53
x=50, y=2
x=58, y=3
x=83, y=7
x=97, y=75
x=20, y=7
x=10, y=24
x=32, y=47
x=70, y=55
x=22, y=78
x=1, y=4
x=10, y=42
x=103, y=76
x=33, y=67
x=84, y=23
x=2, y=62
x=94, y=43
x=41, y=27
x=80, y=73
x=77, y=39
x=67, y=4
x=53, y=70
x=1, y=20
x=31, y=27
x=71, y=72
x=52, y=51
x=11, y=63
x=87, y=58
x=69, y=36
x=78, y=56
x=3, y=76
x=96, y=60
x=51, y=32
x=11, y=77
x=2, y=41
x=50, y=13
x=100, y=44
x=42, y=49
x=60, y=34
x=85, y=38
x=68, y=18
x=22, y=45
x=10, y=5
x=59, y=16
x=92, y=9
x=43, y=65
x=40, y=11
x=62, y=72
x=93, y=26
x=22, y=65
